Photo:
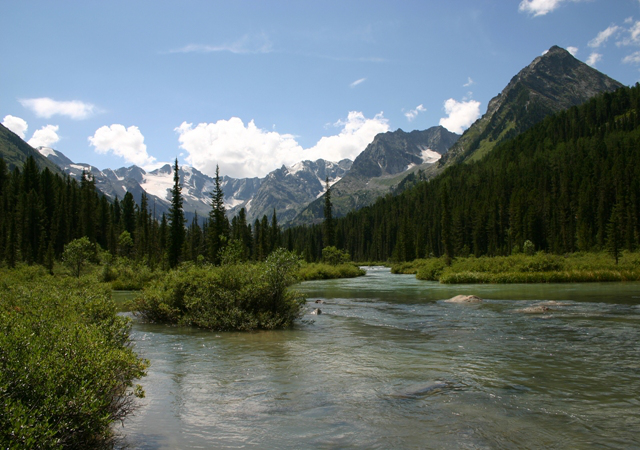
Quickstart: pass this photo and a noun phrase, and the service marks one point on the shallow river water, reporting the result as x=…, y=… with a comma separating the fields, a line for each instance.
x=389, y=364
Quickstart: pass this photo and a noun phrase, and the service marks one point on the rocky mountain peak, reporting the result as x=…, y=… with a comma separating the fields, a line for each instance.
x=551, y=83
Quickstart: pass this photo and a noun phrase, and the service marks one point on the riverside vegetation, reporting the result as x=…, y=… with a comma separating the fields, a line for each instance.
x=522, y=268
x=67, y=368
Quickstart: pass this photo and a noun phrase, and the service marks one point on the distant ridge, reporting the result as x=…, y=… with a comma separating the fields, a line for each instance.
x=15, y=152
x=553, y=82
x=380, y=167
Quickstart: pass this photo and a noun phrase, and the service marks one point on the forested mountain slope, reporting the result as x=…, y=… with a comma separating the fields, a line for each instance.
x=14, y=151
x=572, y=182
x=553, y=82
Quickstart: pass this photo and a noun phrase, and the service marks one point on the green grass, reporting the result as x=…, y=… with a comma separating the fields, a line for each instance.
x=320, y=271
x=538, y=268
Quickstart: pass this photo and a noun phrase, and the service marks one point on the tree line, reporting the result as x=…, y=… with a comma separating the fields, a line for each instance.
x=571, y=183
x=41, y=212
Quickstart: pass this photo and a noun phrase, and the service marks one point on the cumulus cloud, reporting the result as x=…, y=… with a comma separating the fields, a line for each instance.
x=258, y=43
x=128, y=143
x=469, y=82
x=412, y=114
x=460, y=114
x=356, y=133
x=572, y=50
x=540, y=7
x=593, y=59
x=249, y=151
x=46, y=107
x=603, y=36
x=633, y=58
x=357, y=82
x=631, y=35
x=16, y=124
x=44, y=137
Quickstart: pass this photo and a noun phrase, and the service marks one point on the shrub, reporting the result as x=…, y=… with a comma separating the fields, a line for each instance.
x=431, y=269
x=77, y=253
x=66, y=365
x=316, y=271
x=229, y=297
x=333, y=256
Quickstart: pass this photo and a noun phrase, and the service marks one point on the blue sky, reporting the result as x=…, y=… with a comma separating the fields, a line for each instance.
x=252, y=85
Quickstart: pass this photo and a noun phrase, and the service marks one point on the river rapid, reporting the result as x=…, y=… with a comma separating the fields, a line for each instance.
x=390, y=364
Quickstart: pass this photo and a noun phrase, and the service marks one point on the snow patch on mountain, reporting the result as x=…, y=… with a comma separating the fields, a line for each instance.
x=429, y=156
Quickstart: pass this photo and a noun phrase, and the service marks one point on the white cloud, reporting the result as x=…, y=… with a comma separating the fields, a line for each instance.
x=633, y=58
x=572, y=50
x=356, y=134
x=412, y=114
x=594, y=58
x=44, y=137
x=460, y=115
x=541, y=7
x=247, y=44
x=632, y=35
x=128, y=143
x=538, y=7
x=602, y=37
x=357, y=82
x=16, y=124
x=249, y=151
x=469, y=82
x=46, y=107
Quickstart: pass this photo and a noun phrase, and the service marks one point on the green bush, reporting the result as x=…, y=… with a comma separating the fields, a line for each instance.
x=229, y=297
x=332, y=256
x=317, y=271
x=431, y=269
x=537, y=268
x=125, y=274
x=66, y=364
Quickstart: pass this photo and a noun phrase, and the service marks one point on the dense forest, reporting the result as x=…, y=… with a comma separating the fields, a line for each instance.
x=41, y=212
x=571, y=183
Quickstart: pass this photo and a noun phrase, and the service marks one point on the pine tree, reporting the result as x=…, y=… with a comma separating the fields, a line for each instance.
x=328, y=225
x=218, y=222
x=176, y=221
x=274, y=232
x=614, y=234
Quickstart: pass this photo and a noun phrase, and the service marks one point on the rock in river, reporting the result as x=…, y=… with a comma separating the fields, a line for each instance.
x=464, y=299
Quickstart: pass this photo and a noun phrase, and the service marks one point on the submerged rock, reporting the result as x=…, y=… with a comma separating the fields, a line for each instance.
x=464, y=299
x=319, y=301
x=421, y=390
x=536, y=309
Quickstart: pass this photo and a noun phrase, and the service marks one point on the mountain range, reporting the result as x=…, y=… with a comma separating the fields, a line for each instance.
x=552, y=82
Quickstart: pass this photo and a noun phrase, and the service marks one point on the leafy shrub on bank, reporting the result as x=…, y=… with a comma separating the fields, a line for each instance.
x=537, y=268
x=237, y=296
x=318, y=271
x=431, y=269
x=66, y=365
x=125, y=274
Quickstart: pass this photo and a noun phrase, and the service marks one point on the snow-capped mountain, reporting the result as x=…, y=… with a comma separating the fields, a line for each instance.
x=287, y=190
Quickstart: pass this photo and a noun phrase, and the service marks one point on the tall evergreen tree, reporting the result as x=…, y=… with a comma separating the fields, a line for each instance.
x=176, y=220
x=328, y=225
x=218, y=223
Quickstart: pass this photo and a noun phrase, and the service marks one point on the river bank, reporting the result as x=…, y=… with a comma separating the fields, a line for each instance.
x=520, y=268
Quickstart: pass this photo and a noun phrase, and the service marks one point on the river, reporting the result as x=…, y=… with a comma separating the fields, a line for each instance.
x=389, y=364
